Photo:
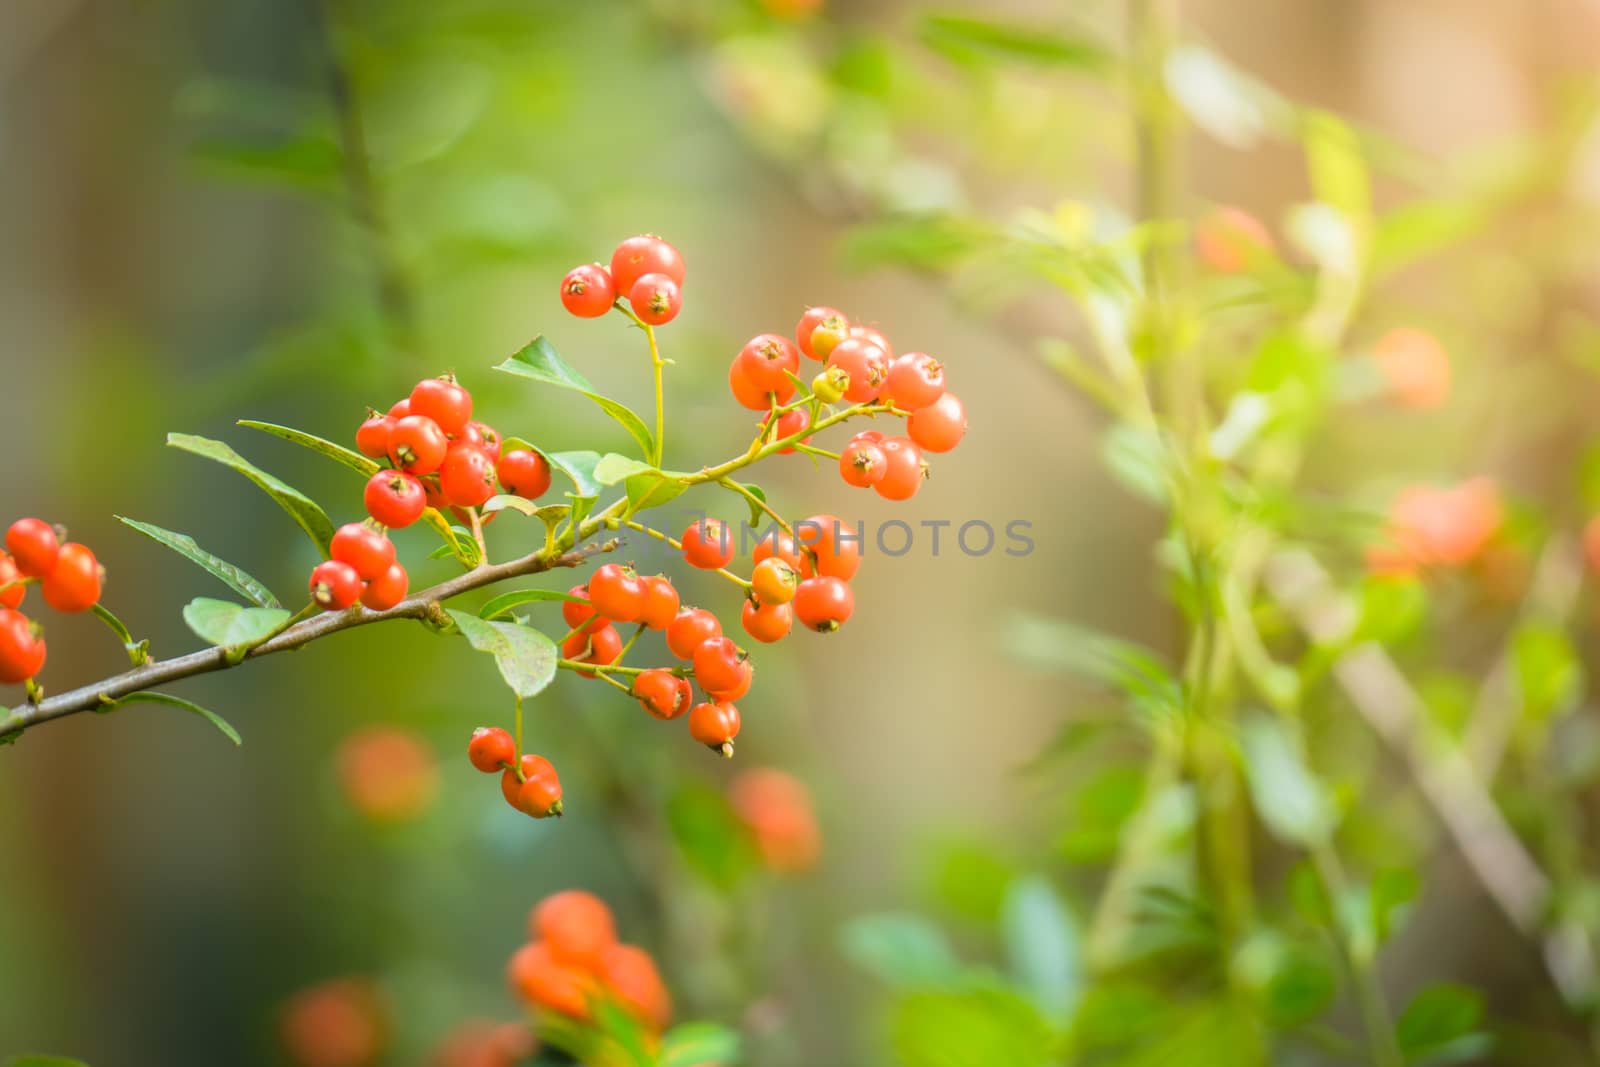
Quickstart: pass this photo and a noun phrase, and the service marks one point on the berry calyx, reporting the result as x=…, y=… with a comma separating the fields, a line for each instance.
x=588, y=291
x=829, y=384
x=617, y=593
x=663, y=694
x=22, y=648
x=708, y=544
x=73, y=584
x=767, y=622
x=386, y=590
x=417, y=445
x=715, y=725
x=335, y=585
x=524, y=472
x=862, y=464
x=395, y=499
x=467, y=476
x=690, y=629
x=940, y=426
x=33, y=543
x=656, y=299
x=364, y=548
x=491, y=749
x=443, y=400
x=865, y=363
x=642, y=255
x=823, y=604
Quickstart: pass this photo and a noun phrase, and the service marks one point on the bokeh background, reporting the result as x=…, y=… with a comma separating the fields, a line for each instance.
x=176, y=252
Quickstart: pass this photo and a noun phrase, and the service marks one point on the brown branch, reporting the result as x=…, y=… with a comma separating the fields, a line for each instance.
x=425, y=605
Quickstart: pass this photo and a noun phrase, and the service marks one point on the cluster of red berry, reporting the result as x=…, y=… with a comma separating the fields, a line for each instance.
x=575, y=961
x=860, y=367
x=69, y=579
x=645, y=270
x=437, y=457
x=530, y=784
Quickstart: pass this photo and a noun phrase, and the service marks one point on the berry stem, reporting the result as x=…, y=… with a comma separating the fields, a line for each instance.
x=677, y=544
x=477, y=535
x=812, y=450
x=729, y=483
x=517, y=736
x=656, y=365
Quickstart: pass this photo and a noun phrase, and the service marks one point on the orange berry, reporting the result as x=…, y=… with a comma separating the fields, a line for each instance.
x=629, y=973
x=545, y=982
x=577, y=925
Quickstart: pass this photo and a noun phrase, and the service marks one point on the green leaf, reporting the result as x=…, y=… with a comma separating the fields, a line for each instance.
x=900, y=950
x=1055, y=644
x=338, y=453
x=525, y=656
x=138, y=651
x=979, y=1026
x=1392, y=893
x=517, y=597
x=311, y=518
x=229, y=625
x=1337, y=166
x=1138, y=460
x=579, y=468
x=225, y=572
x=757, y=513
x=712, y=841
x=970, y=40
x=147, y=697
x=1042, y=945
x=1440, y=1025
x=1287, y=796
x=1549, y=674
x=928, y=243
x=697, y=1044
x=538, y=362
x=646, y=486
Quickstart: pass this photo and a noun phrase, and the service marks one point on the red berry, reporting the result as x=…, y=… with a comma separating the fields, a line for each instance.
x=862, y=464
x=663, y=694
x=720, y=667
x=395, y=498
x=386, y=590
x=600, y=646
x=865, y=363
x=617, y=593
x=532, y=766
x=335, y=585
x=789, y=424
x=873, y=436
x=73, y=584
x=33, y=544
x=22, y=649
x=631, y=976
x=445, y=401
x=915, y=380
x=767, y=622
x=708, y=544
x=418, y=445
x=364, y=548
x=587, y=291
x=904, y=469
x=491, y=749
x=550, y=985
x=940, y=426
x=692, y=628
x=578, y=927
x=580, y=614
x=775, y=544
x=752, y=396
x=540, y=793
x=836, y=546
x=642, y=255
x=715, y=726
x=11, y=588
x=484, y=436
x=819, y=330
x=660, y=602
x=873, y=336
x=525, y=473
x=823, y=604
x=767, y=360
x=656, y=299
x=467, y=478
x=773, y=581
x=372, y=436
x=400, y=409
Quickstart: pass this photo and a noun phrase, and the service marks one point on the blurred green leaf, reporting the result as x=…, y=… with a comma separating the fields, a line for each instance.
x=525, y=656
x=338, y=453
x=1286, y=795
x=1337, y=166
x=964, y=1028
x=517, y=597
x=229, y=575
x=44, y=1061
x=712, y=841
x=1055, y=644
x=929, y=243
x=1548, y=672
x=1222, y=100
x=1393, y=892
x=968, y=40
x=698, y=1044
x=900, y=950
x=970, y=877
x=1440, y=1026
x=1304, y=983
x=229, y=625
x=1138, y=460
x=305, y=512
x=1100, y=805
x=538, y=362
x=309, y=160
x=1042, y=945
x=1414, y=231
x=1392, y=608
x=149, y=697
x=1116, y=1012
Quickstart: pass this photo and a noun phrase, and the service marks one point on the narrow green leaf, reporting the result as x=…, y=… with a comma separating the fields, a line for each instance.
x=1125, y=667
x=517, y=597
x=44, y=1061
x=968, y=40
x=1338, y=168
x=525, y=656
x=311, y=518
x=614, y=468
x=538, y=362
x=1287, y=796
x=147, y=697
x=1440, y=1025
x=338, y=453
x=138, y=651
x=695, y=1044
x=1043, y=946
x=229, y=625
x=900, y=950
x=225, y=572
x=757, y=513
